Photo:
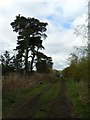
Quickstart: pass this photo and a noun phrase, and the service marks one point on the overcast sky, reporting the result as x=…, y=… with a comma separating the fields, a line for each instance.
x=62, y=17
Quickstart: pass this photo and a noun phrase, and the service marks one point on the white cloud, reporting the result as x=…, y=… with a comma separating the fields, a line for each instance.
x=60, y=39
x=5, y=3
x=80, y=20
x=73, y=7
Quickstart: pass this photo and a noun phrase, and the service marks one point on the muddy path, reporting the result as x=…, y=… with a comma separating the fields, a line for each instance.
x=66, y=106
x=29, y=107
x=61, y=107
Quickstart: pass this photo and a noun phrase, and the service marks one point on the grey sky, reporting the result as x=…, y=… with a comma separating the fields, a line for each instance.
x=62, y=17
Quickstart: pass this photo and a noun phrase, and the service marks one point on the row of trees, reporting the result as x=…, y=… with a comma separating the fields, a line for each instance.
x=78, y=65
x=79, y=61
x=31, y=33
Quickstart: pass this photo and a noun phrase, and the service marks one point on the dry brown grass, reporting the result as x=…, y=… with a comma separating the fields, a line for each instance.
x=15, y=80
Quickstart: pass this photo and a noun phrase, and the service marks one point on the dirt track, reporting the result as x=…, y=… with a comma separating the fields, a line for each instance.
x=61, y=107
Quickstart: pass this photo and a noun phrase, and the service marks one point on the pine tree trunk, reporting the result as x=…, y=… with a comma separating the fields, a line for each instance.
x=26, y=61
x=32, y=61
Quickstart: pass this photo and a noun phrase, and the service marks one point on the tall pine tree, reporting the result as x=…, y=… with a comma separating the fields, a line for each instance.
x=31, y=33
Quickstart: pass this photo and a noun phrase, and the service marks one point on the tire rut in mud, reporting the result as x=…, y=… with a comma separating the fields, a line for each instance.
x=28, y=108
x=62, y=107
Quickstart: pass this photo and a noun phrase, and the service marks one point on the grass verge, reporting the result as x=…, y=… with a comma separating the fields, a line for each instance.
x=12, y=99
x=78, y=93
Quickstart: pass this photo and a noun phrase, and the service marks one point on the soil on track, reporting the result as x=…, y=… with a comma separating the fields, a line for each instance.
x=61, y=107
